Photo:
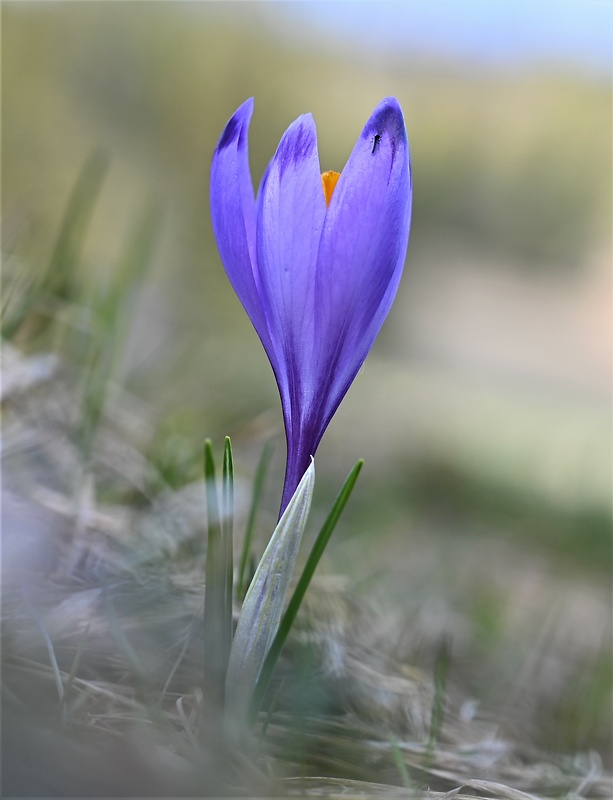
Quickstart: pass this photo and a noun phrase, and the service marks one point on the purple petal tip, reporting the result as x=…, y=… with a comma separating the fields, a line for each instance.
x=233, y=128
x=298, y=143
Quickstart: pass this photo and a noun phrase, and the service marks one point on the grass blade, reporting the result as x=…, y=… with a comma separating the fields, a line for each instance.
x=258, y=485
x=75, y=224
x=214, y=590
x=227, y=526
x=110, y=322
x=58, y=278
x=315, y=555
x=441, y=670
x=400, y=765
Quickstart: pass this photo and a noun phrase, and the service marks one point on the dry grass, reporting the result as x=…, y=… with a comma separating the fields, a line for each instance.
x=102, y=655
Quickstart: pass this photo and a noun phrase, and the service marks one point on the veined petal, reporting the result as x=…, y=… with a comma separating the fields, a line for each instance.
x=362, y=252
x=233, y=215
x=291, y=211
x=317, y=283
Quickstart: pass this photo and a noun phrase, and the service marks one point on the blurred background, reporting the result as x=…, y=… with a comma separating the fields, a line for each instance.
x=483, y=411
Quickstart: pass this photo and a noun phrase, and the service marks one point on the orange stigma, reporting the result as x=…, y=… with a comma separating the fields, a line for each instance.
x=329, y=180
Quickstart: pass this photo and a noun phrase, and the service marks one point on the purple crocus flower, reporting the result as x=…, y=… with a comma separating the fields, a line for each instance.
x=314, y=259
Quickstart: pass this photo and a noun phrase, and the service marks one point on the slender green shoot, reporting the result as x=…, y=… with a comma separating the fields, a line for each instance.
x=291, y=612
x=110, y=321
x=400, y=765
x=258, y=486
x=19, y=287
x=58, y=280
x=75, y=224
x=441, y=671
x=227, y=532
x=214, y=590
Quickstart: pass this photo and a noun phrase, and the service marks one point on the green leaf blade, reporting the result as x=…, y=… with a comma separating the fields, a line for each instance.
x=265, y=600
x=214, y=591
x=227, y=547
x=258, y=485
x=293, y=606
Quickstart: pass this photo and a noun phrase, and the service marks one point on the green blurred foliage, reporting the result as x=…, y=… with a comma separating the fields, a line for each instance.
x=512, y=164
x=513, y=161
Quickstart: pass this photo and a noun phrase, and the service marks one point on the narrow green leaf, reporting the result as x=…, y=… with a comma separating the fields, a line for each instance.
x=18, y=295
x=227, y=526
x=400, y=765
x=75, y=223
x=227, y=508
x=315, y=555
x=214, y=590
x=441, y=670
x=265, y=600
x=258, y=485
x=110, y=321
x=58, y=278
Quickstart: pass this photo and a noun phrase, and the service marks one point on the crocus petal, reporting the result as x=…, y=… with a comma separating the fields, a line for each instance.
x=317, y=283
x=362, y=251
x=233, y=214
x=291, y=211
x=359, y=264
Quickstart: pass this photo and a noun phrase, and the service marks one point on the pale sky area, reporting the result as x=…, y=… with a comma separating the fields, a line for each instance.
x=576, y=33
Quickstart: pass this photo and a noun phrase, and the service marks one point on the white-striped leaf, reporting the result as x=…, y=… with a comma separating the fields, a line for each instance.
x=265, y=600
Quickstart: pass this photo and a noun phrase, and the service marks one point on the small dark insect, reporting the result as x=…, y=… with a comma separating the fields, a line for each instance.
x=375, y=143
